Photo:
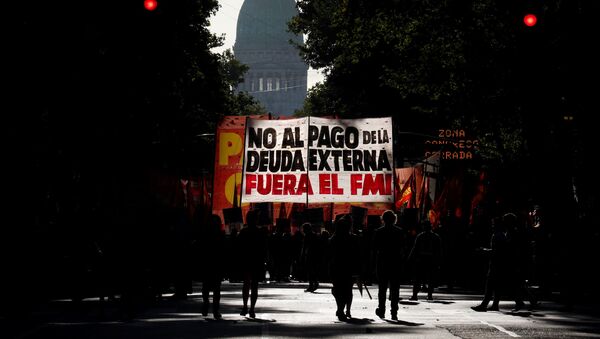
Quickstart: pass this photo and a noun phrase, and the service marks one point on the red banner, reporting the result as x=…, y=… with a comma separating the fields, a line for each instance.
x=228, y=162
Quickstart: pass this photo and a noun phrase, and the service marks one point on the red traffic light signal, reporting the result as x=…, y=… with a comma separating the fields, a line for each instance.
x=530, y=20
x=150, y=4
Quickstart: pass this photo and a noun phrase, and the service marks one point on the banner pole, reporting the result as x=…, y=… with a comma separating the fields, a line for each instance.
x=307, y=160
x=243, y=164
x=331, y=212
x=214, y=147
x=422, y=197
x=393, y=167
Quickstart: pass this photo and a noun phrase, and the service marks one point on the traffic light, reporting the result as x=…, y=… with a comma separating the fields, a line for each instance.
x=530, y=20
x=150, y=5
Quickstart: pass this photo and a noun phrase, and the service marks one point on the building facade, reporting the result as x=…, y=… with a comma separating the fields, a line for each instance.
x=277, y=76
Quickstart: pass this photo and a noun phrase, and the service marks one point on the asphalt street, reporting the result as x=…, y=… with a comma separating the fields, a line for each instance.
x=286, y=311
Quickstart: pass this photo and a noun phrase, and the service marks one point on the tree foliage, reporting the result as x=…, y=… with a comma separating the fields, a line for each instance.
x=105, y=91
x=100, y=94
x=429, y=63
x=116, y=78
x=468, y=64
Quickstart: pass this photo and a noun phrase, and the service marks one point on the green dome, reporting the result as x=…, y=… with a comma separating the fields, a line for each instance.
x=262, y=25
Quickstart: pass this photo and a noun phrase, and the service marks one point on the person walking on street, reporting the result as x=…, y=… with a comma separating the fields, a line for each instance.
x=499, y=255
x=520, y=247
x=343, y=262
x=253, y=255
x=310, y=256
x=213, y=242
x=388, y=246
x=425, y=257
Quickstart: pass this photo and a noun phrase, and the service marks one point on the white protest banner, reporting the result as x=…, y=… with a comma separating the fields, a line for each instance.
x=332, y=160
x=275, y=161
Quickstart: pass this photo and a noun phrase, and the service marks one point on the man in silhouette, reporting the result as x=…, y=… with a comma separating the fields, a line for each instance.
x=310, y=256
x=253, y=255
x=213, y=262
x=343, y=261
x=496, y=279
x=426, y=256
x=388, y=243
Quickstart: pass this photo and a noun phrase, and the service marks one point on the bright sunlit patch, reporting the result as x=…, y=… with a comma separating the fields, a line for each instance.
x=85, y=323
x=166, y=320
x=183, y=315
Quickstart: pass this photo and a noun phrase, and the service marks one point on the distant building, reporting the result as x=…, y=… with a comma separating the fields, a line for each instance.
x=277, y=76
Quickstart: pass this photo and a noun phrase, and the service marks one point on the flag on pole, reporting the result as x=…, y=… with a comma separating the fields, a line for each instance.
x=406, y=192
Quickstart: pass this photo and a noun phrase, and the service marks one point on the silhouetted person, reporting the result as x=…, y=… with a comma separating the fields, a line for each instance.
x=520, y=246
x=182, y=235
x=212, y=244
x=357, y=267
x=285, y=263
x=252, y=243
x=181, y=254
x=273, y=253
x=368, y=269
x=323, y=268
x=297, y=271
x=279, y=255
x=425, y=256
x=388, y=243
x=541, y=249
x=233, y=270
x=499, y=255
x=310, y=256
x=343, y=261
x=452, y=262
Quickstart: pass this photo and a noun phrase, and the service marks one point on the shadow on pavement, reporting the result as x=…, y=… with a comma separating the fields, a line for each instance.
x=358, y=321
x=259, y=320
x=182, y=319
x=443, y=302
x=402, y=322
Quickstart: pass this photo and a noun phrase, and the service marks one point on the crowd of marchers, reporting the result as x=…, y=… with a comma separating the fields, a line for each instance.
x=132, y=268
x=387, y=256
